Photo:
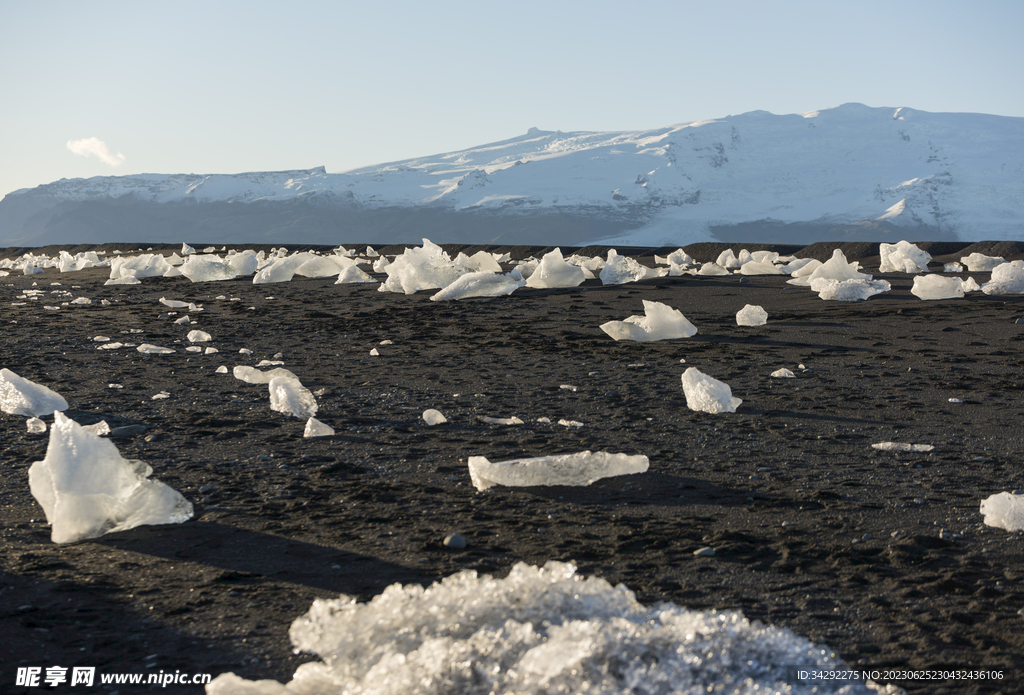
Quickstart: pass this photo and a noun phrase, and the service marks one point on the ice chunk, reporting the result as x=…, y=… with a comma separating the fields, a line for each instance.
x=173, y=303
x=352, y=275
x=109, y=346
x=222, y=370
x=86, y=489
x=251, y=375
x=478, y=284
x=19, y=396
x=751, y=315
x=980, y=263
x=323, y=266
x=852, y=290
x=619, y=270
x=148, y=349
x=553, y=271
x=243, y=263
x=186, y=250
x=952, y=268
x=1007, y=278
x=902, y=446
x=937, y=287
x=205, y=268
x=754, y=267
x=499, y=420
x=783, y=374
x=903, y=257
x=970, y=285
x=660, y=322
x=315, y=428
x=35, y=425
x=706, y=394
x=712, y=268
x=199, y=337
x=289, y=396
x=835, y=268
x=581, y=468
x=434, y=417
x=421, y=268
x=1004, y=511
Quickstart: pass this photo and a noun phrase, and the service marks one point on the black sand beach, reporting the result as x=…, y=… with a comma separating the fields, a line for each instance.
x=880, y=555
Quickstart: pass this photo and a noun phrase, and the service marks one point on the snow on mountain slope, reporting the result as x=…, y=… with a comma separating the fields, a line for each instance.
x=954, y=174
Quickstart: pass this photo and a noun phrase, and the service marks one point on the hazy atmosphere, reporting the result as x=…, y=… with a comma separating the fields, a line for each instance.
x=125, y=88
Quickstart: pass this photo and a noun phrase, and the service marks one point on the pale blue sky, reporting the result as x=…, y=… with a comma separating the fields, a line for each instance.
x=226, y=87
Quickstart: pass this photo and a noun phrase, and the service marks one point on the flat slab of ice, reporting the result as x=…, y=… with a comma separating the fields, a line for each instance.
x=87, y=490
x=1005, y=511
x=538, y=630
x=902, y=446
x=582, y=468
x=19, y=396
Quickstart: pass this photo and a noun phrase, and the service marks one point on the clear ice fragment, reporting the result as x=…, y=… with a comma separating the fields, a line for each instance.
x=19, y=396
x=751, y=315
x=315, y=428
x=582, y=468
x=289, y=396
x=707, y=394
x=1004, y=510
x=659, y=322
x=434, y=417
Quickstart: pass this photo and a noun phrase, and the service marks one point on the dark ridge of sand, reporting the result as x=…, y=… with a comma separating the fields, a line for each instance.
x=882, y=556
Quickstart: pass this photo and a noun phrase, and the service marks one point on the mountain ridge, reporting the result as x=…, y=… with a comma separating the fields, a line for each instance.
x=855, y=171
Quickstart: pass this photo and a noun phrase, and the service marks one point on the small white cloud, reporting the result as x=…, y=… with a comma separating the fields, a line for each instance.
x=95, y=147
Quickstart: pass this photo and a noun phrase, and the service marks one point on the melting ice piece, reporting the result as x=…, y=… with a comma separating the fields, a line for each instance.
x=222, y=369
x=581, y=468
x=86, y=489
x=937, y=287
x=207, y=269
x=706, y=394
x=98, y=428
x=35, y=425
x=902, y=446
x=499, y=420
x=848, y=290
x=19, y=396
x=199, y=337
x=619, y=270
x=251, y=375
x=835, y=268
x=553, y=271
x=660, y=322
x=173, y=303
x=538, y=630
x=1007, y=278
x=751, y=315
x=315, y=428
x=434, y=417
x=479, y=284
x=1004, y=511
x=980, y=263
x=353, y=274
x=783, y=374
x=903, y=257
x=289, y=396
x=148, y=349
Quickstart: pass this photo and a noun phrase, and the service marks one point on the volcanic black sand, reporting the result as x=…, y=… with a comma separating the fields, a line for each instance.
x=882, y=556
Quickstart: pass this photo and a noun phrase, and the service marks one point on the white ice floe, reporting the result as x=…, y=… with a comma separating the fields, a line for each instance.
x=712, y=268
x=426, y=267
x=902, y=446
x=619, y=270
x=222, y=370
x=553, y=271
x=207, y=268
x=86, y=488
x=707, y=394
x=1007, y=278
x=751, y=315
x=434, y=417
x=835, y=268
x=110, y=346
x=162, y=396
x=783, y=374
x=353, y=275
x=852, y=290
x=660, y=322
x=289, y=396
x=980, y=263
x=251, y=375
x=173, y=303
x=199, y=337
x=930, y=287
x=20, y=396
x=582, y=468
x=35, y=426
x=499, y=420
x=315, y=428
x=1004, y=511
x=570, y=423
x=538, y=630
x=148, y=349
x=903, y=257
x=477, y=284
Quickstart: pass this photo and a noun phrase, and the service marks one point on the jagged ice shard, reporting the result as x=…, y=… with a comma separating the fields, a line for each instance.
x=553, y=271
x=87, y=489
x=538, y=630
x=582, y=468
x=289, y=396
x=706, y=394
x=660, y=322
x=903, y=257
x=19, y=396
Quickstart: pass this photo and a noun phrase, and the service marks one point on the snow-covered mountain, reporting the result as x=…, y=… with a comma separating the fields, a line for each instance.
x=850, y=172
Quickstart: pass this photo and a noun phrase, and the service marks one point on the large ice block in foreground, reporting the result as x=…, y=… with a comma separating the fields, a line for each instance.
x=660, y=322
x=289, y=396
x=86, y=489
x=937, y=287
x=540, y=630
x=903, y=257
x=1004, y=511
x=19, y=396
x=582, y=468
x=706, y=394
